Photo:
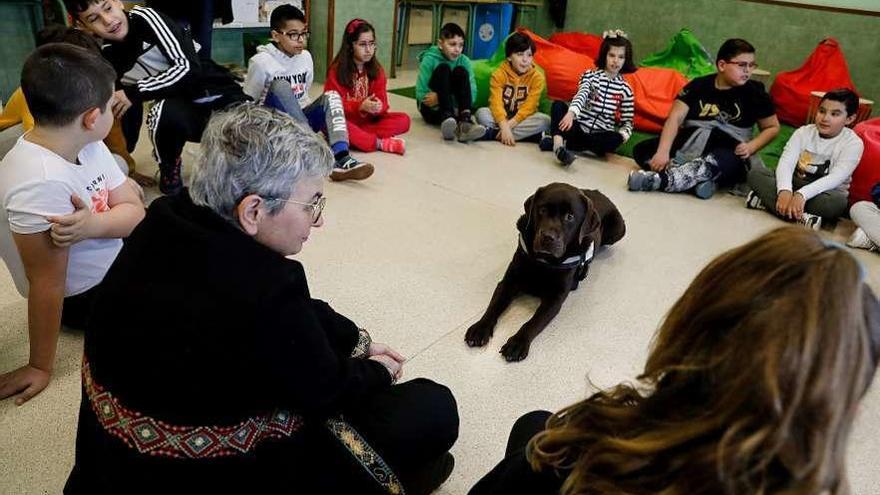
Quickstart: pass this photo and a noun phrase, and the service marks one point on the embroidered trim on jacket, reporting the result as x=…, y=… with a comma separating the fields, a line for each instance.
x=362, y=345
x=366, y=456
x=154, y=437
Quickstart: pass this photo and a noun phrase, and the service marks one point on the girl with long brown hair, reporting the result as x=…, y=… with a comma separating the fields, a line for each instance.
x=358, y=77
x=751, y=387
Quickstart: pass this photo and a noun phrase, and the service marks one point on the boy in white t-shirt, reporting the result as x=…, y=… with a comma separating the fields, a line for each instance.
x=811, y=182
x=64, y=203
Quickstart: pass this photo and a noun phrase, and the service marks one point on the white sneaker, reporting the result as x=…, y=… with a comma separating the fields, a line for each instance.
x=811, y=221
x=860, y=240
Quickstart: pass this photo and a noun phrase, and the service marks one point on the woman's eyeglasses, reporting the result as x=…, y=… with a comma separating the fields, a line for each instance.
x=317, y=206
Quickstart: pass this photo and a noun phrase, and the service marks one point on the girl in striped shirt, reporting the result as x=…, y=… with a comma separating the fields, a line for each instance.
x=600, y=117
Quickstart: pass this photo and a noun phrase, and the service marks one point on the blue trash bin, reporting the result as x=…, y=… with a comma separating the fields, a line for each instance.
x=492, y=23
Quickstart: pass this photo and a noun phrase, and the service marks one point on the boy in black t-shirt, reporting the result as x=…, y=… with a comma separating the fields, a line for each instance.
x=707, y=138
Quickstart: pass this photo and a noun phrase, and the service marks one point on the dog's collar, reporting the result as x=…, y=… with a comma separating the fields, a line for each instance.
x=571, y=261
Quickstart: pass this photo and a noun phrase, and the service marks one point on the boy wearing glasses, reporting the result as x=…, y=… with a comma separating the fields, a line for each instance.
x=155, y=60
x=707, y=140
x=280, y=75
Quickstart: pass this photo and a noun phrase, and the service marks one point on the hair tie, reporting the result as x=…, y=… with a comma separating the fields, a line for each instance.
x=614, y=33
x=832, y=244
x=353, y=25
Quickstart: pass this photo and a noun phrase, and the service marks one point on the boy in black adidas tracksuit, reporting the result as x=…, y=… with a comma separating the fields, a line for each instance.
x=155, y=60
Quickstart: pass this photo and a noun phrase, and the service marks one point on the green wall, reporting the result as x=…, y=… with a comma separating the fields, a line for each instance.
x=17, y=24
x=783, y=36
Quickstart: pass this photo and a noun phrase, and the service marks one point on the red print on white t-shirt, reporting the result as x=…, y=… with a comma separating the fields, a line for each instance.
x=100, y=201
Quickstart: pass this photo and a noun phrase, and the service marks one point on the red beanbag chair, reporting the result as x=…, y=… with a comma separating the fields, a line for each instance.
x=584, y=43
x=868, y=172
x=562, y=67
x=654, y=89
x=825, y=69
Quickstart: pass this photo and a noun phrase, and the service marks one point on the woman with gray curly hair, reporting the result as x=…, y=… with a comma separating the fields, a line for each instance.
x=237, y=381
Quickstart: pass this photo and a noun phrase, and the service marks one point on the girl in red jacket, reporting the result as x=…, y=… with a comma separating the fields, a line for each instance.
x=358, y=77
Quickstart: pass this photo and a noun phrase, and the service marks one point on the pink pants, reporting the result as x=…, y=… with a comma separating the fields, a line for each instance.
x=363, y=132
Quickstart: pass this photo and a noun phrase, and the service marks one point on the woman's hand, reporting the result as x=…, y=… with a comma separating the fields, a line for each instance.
x=388, y=357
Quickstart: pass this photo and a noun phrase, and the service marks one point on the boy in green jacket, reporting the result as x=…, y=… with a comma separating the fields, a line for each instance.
x=446, y=89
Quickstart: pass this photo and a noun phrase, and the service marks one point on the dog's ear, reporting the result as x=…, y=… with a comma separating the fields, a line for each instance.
x=591, y=219
x=524, y=224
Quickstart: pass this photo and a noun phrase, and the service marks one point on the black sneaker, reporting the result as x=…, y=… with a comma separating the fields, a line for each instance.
x=546, y=142
x=170, y=182
x=564, y=156
x=349, y=168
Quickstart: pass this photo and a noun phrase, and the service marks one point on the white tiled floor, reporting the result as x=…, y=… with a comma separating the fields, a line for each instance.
x=414, y=253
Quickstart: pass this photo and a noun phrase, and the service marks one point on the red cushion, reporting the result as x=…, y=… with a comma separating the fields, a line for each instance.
x=868, y=172
x=825, y=69
x=562, y=67
x=585, y=43
x=654, y=89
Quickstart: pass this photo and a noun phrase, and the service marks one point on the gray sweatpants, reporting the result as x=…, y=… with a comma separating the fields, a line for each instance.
x=867, y=216
x=828, y=205
x=325, y=114
x=535, y=123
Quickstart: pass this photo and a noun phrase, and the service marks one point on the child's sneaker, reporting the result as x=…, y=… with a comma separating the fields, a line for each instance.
x=546, y=142
x=170, y=182
x=392, y=145
x=468, y=131
x=448, y=128
x=564, y=156
x=705, y=189
x=811, y=221
x=753, y=202
x=860, y=240
x=349, y=168
x=643, y=180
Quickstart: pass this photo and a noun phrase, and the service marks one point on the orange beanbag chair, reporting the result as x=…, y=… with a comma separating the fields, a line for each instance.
x=825, y=69
x=654, y=90
x=562, y=67
x=585, y=43
x=868, y=172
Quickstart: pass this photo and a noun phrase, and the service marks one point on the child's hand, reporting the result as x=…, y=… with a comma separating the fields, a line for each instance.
x=659, y=162
x=121, y=103
x=74, y=227
x=26, y=381
x=375, y=104
x=782, y=200
x=506, y=134
x=795, y=209
x=431, y=100
x=566, y=122
x=744, y=150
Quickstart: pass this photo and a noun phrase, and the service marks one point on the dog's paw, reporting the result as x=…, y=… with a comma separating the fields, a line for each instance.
x=516, y=348
x=478, y=334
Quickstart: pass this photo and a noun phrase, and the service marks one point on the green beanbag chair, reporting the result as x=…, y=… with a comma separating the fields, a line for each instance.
x=685, y=54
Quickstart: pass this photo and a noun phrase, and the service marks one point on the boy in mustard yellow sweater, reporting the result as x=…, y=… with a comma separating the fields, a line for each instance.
x=514, y=92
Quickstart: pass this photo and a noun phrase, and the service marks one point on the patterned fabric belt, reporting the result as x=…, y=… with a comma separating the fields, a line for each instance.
x=154, y=437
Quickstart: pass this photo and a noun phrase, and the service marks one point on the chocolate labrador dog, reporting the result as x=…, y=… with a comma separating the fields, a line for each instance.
x=561, y=229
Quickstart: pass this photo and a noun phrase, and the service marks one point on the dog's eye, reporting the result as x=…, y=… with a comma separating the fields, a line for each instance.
x=569, y=217
x=542, y=210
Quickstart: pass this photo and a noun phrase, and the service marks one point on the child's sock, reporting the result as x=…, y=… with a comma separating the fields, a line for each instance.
x=391, y=145
x=558, y=142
